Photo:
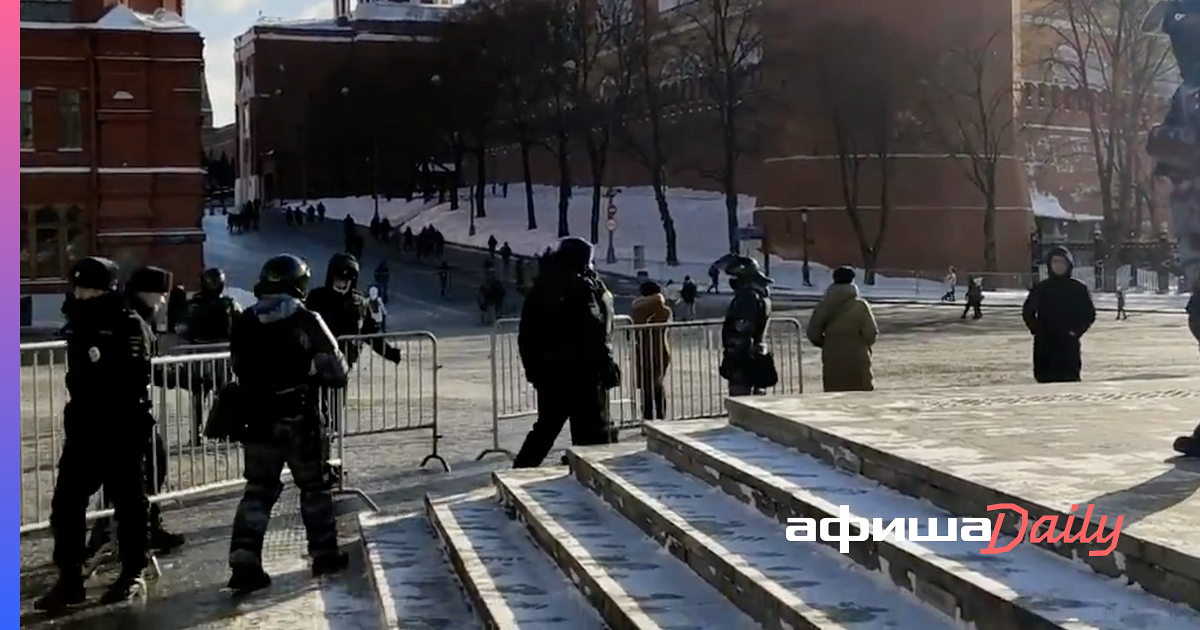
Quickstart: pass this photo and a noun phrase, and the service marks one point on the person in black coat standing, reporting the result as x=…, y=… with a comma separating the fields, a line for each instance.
x=1058, y=312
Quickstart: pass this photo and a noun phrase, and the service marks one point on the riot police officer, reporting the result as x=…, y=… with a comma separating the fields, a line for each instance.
x=282, y=355
x=145, y=292
x=210, y=313
x=565, y=342
x=209, y=320
x=106, y=423
x=345, y=309
x=744, y=358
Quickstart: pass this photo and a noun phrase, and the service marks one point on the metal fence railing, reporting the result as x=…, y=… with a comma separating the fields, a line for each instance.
x=691, y=385
x=381, y=397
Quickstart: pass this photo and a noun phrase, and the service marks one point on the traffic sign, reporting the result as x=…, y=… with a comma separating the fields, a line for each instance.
x=612, y=211
x=611, y=225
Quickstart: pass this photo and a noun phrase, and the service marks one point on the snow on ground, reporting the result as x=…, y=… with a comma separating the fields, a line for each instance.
x=701, y=238
x=699, y=223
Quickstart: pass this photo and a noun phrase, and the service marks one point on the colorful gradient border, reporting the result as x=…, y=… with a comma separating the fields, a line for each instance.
x=11, y=495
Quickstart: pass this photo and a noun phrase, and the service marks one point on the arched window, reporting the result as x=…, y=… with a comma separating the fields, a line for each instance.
x=52, y=238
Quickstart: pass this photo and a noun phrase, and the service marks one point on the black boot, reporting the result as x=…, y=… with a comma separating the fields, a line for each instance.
x=1188, y=446
x=329, y=563
x=129, y=585
x=247, y=574
x=67, y=591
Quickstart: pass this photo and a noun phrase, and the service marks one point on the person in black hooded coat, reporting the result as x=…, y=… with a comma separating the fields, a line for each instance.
x=565, y=342
x=345, y=311
x=1058, y=312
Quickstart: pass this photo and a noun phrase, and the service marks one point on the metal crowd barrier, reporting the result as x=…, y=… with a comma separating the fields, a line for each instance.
x=381, y=398
x=691, y=384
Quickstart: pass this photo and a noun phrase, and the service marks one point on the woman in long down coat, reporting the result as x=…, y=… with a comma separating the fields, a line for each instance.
x=652, y=348
x=844, y=328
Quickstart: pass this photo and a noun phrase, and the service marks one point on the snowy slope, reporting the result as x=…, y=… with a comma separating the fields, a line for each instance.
x=700, y=225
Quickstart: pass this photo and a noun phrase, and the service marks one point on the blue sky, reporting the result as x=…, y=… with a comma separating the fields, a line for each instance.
x=219, y=21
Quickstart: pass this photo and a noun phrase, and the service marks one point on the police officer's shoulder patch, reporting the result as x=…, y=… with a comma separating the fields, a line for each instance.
x=93, y=354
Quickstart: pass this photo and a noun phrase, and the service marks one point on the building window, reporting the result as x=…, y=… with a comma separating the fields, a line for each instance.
x=71, y=116
x=52, y=238
x=26, y=119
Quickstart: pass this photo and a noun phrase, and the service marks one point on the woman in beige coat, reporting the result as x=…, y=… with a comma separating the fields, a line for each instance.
x=844, y=328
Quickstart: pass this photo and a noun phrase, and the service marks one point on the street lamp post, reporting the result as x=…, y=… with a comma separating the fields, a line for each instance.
x=805, y=271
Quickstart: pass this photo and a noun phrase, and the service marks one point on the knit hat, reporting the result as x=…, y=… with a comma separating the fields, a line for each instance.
x=843, y=275
x=575, y=254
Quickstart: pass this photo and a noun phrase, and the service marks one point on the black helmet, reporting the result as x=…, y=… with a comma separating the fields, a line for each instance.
x=94, y=272
x=212, y=281
x=286, y=274
x=344, y=266
x=744, y=268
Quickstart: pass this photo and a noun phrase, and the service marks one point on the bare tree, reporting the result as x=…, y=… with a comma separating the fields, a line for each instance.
x=602, y=94
x=723, y=53
x=866, y=89
x=1098, y=46
x=650, y=52
x=972, y=113
x=523, y=85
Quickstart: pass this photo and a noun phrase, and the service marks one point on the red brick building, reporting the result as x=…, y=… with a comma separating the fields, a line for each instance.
x=303, y=85
x=103, y=85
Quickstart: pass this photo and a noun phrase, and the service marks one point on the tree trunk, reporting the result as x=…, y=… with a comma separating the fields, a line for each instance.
x=597, y=160
x=527, y=173
x=664, y=214
x=480, y=180
x=989, y=234
x=458, y=168
x=564, y=185
x=729, y=182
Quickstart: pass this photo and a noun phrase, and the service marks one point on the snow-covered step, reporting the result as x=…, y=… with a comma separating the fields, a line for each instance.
x=1027, y=588
x=509, y=581
x=414, y=587
x=632, y=582
x=781, y=584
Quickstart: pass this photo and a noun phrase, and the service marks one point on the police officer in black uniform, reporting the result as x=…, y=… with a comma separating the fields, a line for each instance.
x=744, y=327
x=145, y=292
x=107, y=423
x=344, y=309
x=565, y=341
x=282, y=355
x=210, y=313
x=209, y=320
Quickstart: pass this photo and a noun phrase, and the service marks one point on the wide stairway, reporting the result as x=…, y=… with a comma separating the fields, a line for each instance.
x=686, y=530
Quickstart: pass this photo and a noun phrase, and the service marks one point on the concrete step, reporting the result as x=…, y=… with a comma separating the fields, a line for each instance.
x=781, y=584
x=1051, y=451
x=414, y=587
x=622, y=572
x=509, y=582
x=1027, y=588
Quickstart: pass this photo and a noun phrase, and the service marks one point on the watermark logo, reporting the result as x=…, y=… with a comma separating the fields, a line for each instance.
x=847, y=528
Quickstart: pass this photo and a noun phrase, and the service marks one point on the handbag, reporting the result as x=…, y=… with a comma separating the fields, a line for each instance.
x=763, y=374
x=226, y=419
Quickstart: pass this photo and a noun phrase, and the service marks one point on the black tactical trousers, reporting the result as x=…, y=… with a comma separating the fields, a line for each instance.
x=585, y=406
x=115, y=464
x=301, y=447
x=154, y=473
